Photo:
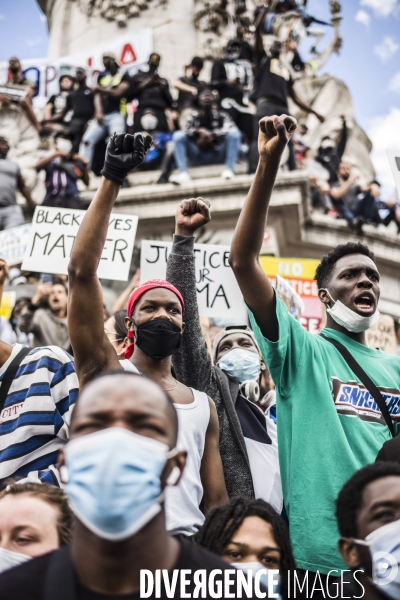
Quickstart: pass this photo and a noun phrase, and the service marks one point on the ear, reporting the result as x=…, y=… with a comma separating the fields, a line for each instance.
x=174, y=469
x=183, y=327
x=127, y=341
x=263, y=366
x=129, y=325
x=324, y=296
x=348, y=549
x=62, y=466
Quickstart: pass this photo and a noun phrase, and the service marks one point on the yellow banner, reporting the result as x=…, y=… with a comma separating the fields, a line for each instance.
x=290, y=268
x=7, y=303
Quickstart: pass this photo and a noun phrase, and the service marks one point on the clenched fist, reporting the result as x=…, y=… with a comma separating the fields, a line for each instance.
x=191, y=215
x=274, y=133
x=124, y=152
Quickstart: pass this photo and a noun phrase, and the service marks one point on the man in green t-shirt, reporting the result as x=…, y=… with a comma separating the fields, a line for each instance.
x=329, y=425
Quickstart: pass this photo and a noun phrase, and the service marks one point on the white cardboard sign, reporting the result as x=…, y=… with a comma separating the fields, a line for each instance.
x=394, y=161
x=53, y=233
x=218, y=294
x=13, y=243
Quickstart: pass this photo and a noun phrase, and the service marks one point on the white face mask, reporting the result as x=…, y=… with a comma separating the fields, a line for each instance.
x=149, y=122
x=10, y=559
x=64, y=145
x=270, y=580
x=384, y=547
x=350, y=320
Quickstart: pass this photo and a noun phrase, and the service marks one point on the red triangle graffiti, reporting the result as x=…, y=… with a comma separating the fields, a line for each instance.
x=128, y=55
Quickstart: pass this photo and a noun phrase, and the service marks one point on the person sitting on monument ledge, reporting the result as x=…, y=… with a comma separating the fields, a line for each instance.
x=152, y=92
x=210, y=137
x=18, y=78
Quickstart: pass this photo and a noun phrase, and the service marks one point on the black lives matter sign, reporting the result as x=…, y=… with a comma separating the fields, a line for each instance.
x=53, y=234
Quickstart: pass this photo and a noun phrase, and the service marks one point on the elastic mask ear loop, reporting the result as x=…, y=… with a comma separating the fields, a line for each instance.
x=173, y=476
x=327, y=291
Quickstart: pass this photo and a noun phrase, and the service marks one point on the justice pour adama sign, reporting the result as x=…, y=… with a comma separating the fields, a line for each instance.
x=218, y=294
x=53, y=234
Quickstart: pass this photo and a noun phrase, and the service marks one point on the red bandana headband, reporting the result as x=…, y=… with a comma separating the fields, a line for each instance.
x=138, y=293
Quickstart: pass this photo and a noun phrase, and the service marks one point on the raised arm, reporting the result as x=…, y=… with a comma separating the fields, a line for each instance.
x=211, y=471
x=192, y=361
x=258, y=43
x=303, y=105
x=92, y=351
x=273, y=135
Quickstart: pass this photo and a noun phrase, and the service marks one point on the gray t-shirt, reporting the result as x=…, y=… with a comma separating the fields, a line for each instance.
x=9, y=173
x=350, y=198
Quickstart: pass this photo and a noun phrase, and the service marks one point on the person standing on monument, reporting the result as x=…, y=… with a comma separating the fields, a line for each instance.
x=109, y=104
x=272, y=86
x=11, y=214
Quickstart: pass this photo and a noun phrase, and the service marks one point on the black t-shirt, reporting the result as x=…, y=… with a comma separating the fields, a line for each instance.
x=155, y=95
x=224, y=71
x=29, y=581
x=80, y=101
x=58, y=101
x=186, y=99
x=272, y=79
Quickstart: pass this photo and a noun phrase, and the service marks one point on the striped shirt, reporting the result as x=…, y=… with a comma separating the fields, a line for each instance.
x=34, y=422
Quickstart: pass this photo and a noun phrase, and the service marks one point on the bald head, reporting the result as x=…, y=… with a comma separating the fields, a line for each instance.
x=124, y=399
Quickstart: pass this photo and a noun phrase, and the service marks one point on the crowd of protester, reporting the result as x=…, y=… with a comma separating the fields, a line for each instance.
x=127, y=443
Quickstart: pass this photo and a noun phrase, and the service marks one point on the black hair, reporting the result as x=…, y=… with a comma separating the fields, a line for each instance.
x=59, y=281
x=64, y=135
x=223, y=521
x=27, y=301
x=325, y=267
x=120, y=327
x=198, y=62
x=375, y=181
x=350, y=498
x=123, y=373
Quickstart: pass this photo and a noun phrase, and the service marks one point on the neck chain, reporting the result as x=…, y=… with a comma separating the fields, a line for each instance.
x=173, y=388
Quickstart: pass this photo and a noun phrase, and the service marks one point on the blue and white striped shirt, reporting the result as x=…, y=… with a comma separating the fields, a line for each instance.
x=34, y=422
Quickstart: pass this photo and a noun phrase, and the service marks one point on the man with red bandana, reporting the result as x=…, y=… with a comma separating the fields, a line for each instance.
x=155, y=324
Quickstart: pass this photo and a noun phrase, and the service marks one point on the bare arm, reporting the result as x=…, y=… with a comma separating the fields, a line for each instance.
x=47, y=160
x=122, y=299
x=303, y=105
x=58, y=117
x=93, y=352
x=274, y=133
x=98, y=109
x=113, y=92
x=25, y=191
x=211, y=471
x=184, y=87
x=338, y=192
x=47, y=116
x=259, y=44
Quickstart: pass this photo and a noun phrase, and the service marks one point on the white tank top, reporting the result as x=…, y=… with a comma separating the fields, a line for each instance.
x=183, y=514
x=128, y=366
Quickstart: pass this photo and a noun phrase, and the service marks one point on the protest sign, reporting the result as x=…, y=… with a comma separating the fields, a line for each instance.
x=13, y=244
x=394, y=161
x=218, y=293
x=132, y=51
x=382, y=335
x=299, y=272
x=53, y=234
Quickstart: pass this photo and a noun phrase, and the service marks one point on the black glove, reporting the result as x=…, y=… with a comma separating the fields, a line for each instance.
x=124, y=152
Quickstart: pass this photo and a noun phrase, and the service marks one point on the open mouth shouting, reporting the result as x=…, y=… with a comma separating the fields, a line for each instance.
x=365, y=303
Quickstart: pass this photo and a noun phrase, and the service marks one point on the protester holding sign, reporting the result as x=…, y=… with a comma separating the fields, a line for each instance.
x=248, y=439
x=332, y=417
x=25, y=85
x=155, y=322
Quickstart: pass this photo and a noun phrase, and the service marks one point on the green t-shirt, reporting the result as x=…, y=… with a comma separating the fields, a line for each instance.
x=329, y=426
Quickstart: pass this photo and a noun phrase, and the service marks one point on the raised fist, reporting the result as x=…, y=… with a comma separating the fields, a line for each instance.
x=274, y=133
x=124, y=152
x=3, y=271
x=191, y=215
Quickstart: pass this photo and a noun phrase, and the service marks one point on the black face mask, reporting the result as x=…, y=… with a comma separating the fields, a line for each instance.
x=158, y=338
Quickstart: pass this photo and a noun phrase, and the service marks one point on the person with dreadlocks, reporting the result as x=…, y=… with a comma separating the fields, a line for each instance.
x=332, y=417
x=250, y=534
x=155, y=324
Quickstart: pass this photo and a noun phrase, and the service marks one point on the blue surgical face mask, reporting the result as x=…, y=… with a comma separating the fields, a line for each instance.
x=384, y=547
x=112, y=479
x=270, y=580
x=242, y=364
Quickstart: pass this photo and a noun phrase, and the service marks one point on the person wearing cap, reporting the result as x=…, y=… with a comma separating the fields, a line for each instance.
x=57, y=102
x=16, y=77
x=155, y=316
x=152, y=92
x=109, y=104
x=233, y=376
x=189, y=87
